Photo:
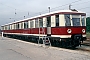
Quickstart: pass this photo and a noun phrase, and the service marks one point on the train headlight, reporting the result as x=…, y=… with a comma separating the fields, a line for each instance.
x=69, y=30
x=83, y=30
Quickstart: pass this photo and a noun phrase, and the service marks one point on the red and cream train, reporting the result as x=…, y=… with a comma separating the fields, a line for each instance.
x=66, y=28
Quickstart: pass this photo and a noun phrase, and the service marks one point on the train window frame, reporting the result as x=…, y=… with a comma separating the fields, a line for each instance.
x=40, y=22
x=48, y=21
x=36, y=23
x=2, y=27
x=13, y=26
x=83, y=20
x=21, y=25
x=7, y=27
x=10, y=26
x=31, y=24
x=67, y=19
x=25, y=24
x=76, y=21
x=17, y=25
x=57, y=20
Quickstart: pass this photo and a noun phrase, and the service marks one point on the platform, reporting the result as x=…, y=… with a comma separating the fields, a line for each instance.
x=13, y=49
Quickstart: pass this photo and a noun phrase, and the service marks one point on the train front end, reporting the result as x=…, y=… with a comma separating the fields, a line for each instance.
x=75, y=25
x=72, y=29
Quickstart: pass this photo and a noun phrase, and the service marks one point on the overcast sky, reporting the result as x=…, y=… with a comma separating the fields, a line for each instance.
x=29, y=8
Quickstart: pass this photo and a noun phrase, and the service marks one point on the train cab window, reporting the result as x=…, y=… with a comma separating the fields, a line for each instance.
x=83, y=20
x=26, y=24
x=49, y=21
x=57, y=20
x=67, y=20
x=36, y=23
x=76, y=21
x=40, y=22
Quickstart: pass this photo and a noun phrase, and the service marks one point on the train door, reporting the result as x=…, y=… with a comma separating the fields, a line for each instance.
x=49, y=26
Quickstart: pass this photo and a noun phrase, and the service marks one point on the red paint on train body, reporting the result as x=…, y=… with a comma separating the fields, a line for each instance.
x=63, y=30
x=54, y=30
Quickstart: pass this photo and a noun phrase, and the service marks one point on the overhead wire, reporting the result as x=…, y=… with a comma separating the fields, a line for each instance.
x=81, y=3
x=72, y=3
x=60, y=6
x=8, y=6
x=45, y=10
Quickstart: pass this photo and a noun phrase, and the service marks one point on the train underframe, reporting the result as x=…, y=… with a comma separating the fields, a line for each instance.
x=72, y=42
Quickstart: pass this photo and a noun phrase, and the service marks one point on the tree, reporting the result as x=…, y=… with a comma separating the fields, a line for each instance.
x=88, y=24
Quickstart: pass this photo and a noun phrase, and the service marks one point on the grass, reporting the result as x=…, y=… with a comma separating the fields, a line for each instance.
x=88, y=34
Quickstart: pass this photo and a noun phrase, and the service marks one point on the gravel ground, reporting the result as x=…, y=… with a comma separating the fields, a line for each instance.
x=13, y=49
x=88, y=34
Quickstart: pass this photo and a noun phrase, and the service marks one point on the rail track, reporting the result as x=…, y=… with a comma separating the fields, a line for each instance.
x=85, y=46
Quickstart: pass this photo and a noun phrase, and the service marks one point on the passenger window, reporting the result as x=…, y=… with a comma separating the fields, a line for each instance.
x=31, y=23
x=8, y=27
x=2, y=28
x=17, y=26
x=11, y=27
x=36, y=23
x=67, y=20
x=5, y=27
x=26, y=24
x=21, y=25
x=40, y=22
x=57, y=20
x=14, y=26
x=49, y=21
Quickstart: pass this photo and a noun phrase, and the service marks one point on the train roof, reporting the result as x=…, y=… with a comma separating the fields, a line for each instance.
x=50, y=13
